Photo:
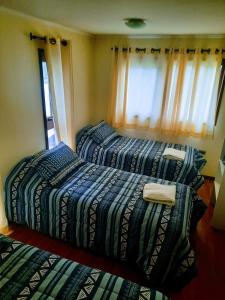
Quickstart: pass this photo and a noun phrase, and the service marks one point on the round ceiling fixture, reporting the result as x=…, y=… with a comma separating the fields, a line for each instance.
x=135, y=22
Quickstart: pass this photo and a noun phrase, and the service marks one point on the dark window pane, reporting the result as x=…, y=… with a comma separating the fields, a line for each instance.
x=50, y=134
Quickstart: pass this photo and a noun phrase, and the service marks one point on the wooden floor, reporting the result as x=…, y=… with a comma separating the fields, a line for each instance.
x=208, y=243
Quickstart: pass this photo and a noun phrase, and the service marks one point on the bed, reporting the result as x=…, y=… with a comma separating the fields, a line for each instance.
x=102, y=208
x=100, y=144
x=27, y=272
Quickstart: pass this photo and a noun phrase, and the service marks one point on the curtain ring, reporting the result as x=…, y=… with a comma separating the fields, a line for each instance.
x=52, y=41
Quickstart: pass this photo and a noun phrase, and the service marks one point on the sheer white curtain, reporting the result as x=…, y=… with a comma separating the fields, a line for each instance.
x=171, y=91
x=137, y=88
x=59, y=63
x=190, y=97
x=3, y=220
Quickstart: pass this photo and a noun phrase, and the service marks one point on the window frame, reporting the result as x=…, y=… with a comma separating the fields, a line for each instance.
x=220, y=90
x=41, y=58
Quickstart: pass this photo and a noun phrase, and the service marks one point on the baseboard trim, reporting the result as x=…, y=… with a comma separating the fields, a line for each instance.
x=209, y=177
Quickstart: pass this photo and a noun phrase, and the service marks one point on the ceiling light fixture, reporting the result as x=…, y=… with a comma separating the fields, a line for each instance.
x=135, y=23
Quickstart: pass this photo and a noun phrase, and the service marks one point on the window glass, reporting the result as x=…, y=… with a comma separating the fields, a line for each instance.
x=50, y=133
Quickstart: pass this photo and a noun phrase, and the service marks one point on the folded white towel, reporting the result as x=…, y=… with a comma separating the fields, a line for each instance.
x=171, y=153
x=160, y=193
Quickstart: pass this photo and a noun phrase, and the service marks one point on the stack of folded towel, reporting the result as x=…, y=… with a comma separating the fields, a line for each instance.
x=160, y=193
x=171, y=153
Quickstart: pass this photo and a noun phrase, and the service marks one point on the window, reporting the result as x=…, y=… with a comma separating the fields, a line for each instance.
x=173, y=92
x=221, y=88
x=50, y=134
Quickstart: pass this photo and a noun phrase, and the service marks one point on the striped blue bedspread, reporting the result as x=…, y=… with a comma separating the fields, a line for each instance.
x=142, y=157
x=102, y=208
x=27, y=272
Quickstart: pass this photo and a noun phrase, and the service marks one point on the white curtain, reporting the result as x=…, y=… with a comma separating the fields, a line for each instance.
x=190, y=97
x=59, y=62
x=137, y=93
x=171, y=91
x=3, y=220
x=146, y=71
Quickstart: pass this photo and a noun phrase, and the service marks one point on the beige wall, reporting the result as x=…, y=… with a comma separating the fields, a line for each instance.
x=102, y=83
x=21, y=122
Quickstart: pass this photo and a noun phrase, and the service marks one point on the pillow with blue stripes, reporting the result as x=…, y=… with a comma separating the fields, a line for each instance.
x=49, y=163
x=100, y=132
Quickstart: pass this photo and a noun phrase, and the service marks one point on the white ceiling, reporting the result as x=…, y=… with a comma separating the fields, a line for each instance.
x=106, y=16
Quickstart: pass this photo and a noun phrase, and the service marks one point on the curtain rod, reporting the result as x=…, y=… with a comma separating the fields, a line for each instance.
x=44, y=38
x=167, y=50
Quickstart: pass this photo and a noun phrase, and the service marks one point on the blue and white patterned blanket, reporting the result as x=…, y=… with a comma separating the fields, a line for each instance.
x=102, y=208
x=140, y=156
x=27, y=272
